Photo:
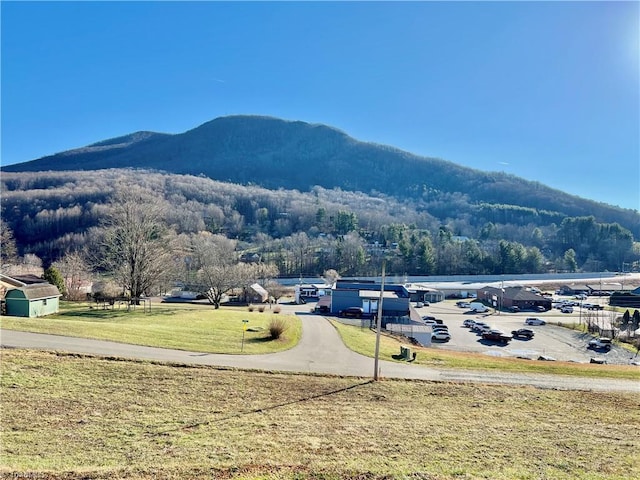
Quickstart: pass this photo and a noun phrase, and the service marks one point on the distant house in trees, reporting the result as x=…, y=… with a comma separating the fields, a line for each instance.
x=257, y=294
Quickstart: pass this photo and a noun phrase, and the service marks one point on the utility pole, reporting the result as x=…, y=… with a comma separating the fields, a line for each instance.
x=378, y=327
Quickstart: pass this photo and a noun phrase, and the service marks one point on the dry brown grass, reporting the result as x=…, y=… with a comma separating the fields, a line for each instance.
x=75, y=417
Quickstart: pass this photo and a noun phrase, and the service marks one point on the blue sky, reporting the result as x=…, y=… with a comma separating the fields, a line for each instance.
x=547, y=91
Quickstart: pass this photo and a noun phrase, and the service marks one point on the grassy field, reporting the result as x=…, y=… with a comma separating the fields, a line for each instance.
x=76, y=417
x=189, y=327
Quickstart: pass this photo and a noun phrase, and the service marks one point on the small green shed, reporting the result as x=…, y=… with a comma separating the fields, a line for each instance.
x=36, y=300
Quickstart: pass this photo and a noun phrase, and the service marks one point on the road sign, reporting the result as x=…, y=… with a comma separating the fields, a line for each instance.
x=244, y=328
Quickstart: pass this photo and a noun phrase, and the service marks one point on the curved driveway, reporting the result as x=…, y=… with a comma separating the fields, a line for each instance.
x=320, y=350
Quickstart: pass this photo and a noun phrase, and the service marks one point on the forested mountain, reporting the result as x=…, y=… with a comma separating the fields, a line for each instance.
x=293, y=155
x=50, y=214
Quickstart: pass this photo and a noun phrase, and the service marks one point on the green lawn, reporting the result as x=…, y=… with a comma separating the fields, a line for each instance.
x=190, y=327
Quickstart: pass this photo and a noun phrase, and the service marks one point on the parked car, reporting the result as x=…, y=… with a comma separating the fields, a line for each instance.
x=428, y=317
x=523, y=332
x=484, y=329
x=541, y=308
x=514, y=309
x=478, y=307
x=497, y=336
x=567, y=309
x=431, y=322
x=462, y=304
x=353, y=312
x=468, y=322
x=601, y=343
x=435, y=328
x=478, y=326
x=441, y=335
x=534, y=321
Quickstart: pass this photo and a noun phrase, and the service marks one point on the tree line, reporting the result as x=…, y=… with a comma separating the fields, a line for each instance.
x=51, y=215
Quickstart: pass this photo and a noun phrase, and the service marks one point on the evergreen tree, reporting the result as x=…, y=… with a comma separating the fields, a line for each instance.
x=635, y=320
x=54, y=277
x=570, y=262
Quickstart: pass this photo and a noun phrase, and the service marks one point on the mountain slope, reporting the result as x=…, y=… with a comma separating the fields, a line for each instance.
x=275, y=153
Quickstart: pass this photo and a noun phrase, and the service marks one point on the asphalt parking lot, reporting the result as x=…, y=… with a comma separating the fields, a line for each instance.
x=550, y=340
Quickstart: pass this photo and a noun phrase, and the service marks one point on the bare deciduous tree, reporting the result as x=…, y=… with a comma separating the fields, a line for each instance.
x=76, y=274
x=135, y=246
x=330, y=276
x=276, y=290
x=8, y=249
x=217, y=263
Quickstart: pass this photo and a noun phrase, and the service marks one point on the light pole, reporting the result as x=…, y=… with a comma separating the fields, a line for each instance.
x=244, y=329
x=378, y=327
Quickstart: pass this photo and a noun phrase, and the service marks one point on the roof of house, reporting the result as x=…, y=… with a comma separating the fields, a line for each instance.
x=38, y=291
x=605, y=286
x=418, y=287
x=516, y=293
x=360, y=285
x=24, y=279
x=259, y=289
x=522, y=294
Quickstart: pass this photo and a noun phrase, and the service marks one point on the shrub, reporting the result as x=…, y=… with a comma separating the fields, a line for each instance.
x=277, y=326
x=261, y=308
x=250, y=308
x=276, y=309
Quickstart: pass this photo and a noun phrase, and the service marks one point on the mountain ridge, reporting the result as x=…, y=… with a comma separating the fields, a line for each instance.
x=293, y=154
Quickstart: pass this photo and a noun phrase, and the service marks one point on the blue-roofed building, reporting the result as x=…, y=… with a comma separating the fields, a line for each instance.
x=366, y=295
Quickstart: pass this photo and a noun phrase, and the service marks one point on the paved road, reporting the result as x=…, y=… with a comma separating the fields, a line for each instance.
x=320, y=351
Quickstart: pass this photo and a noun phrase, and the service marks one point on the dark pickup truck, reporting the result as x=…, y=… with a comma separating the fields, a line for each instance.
x=523, y=332
x=497, y=336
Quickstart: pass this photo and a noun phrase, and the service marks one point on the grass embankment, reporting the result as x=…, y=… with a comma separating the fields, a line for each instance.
x=189, y=327
x=362, y=340
x=72, y=417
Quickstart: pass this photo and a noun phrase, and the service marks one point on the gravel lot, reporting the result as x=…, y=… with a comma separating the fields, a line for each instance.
x=550, y=340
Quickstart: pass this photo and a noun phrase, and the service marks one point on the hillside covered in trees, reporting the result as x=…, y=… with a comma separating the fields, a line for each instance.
x=293, y=155
x=49, y=214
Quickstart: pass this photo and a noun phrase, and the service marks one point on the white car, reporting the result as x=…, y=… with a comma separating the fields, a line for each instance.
x=469, y=322
x=600, y=343
x=478, y=326
x=534, y=321
x=485, y=329
x=567, y=309
x=441, y=335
